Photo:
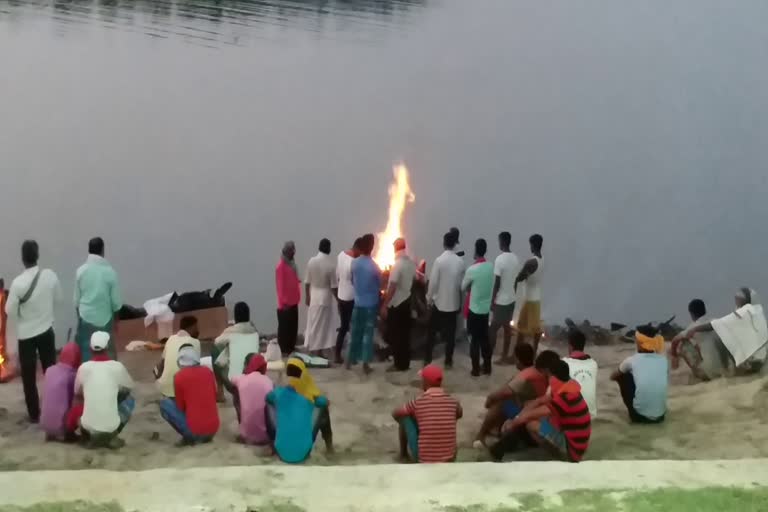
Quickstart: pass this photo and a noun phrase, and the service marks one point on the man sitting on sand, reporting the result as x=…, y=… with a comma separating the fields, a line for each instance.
x=529, y=384
x=644, y=378
x=105, y=386
x=744, y=333
x=166, y=370
x=249, y=397
x=428, y=423
x=193, y=412
x=704, y=353
x=58, y=394
x=300, y=411
x=583, y=368
x=232, y=346
x=559, y=421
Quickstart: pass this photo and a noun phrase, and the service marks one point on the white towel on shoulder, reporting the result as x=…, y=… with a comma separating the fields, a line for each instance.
x=744, y=333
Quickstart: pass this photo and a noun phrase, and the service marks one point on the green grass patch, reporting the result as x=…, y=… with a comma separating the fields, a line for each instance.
x=715, y=499
x=65, y=506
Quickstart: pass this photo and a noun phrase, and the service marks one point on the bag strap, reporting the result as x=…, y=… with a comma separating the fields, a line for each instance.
x=30, y=291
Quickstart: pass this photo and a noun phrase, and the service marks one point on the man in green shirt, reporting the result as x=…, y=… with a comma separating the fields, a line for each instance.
x=479, y=281
x=97, y=299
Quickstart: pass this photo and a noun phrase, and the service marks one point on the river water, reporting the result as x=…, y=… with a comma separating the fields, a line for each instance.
x=197, y=136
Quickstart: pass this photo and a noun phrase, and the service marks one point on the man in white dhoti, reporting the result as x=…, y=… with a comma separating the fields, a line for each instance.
x=321, y=286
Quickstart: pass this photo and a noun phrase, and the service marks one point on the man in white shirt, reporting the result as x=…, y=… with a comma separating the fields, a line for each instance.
x=31, y=304
x=320, y=283
x=505, y=270
x=345, y=295
x=444, y=295
x=107, y=403
x=169, y=366
x=396, y=308
x=528, y=315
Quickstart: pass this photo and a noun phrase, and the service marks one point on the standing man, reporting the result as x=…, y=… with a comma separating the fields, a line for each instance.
x=31, y=304
x=321, y=286
x=396, y=307
x=505, y=270
x=288, y=297
x=366, y=279
x=444, y=298
x=345, y=294
x=529, y=321
x=97, y=299
x=479, y=282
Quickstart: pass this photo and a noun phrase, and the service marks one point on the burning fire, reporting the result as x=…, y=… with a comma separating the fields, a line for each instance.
x=400, y=194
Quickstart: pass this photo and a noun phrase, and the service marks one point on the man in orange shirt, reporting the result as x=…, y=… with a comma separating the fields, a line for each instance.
x=530, y=383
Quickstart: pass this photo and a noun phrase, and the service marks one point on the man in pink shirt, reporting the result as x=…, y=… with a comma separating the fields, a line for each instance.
x=249, y=393
x=288, y=298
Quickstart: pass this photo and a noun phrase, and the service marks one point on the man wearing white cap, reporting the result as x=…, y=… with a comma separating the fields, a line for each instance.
x=105, y=387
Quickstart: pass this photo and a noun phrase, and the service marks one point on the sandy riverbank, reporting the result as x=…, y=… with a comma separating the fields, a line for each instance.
x=724, y=419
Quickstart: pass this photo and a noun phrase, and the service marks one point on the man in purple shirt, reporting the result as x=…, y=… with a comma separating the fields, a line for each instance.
x=366, y=280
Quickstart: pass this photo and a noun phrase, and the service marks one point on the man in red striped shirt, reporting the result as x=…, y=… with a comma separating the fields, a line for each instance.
x=428, y=423
x=559, y=421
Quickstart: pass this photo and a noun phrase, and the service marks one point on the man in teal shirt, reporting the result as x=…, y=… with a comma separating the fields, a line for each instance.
x=479, y=279
x=97, y=298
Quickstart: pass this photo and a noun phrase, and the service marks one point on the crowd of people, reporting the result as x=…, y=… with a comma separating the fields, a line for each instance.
x=549, y=402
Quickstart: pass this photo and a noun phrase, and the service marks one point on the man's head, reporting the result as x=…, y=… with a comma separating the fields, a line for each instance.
x=96, y=246
x=536, y=241
x=399, y=244
x=356, y=246
x=324, y=246
x=99, y=342
x=523, y=356
x=367, y=243
x=30, y=253
x=449, y=241
x=505, y=240
x=647, y=339
x=189, y=324
x=546, y=360
x=255, y=363
x=576, y=340
x=743, y=297
x=561, y=371
x=289, y=250
x=242, y=313
x=431, y=377
x=454, y=231
x=697, y=309
x=481, y=247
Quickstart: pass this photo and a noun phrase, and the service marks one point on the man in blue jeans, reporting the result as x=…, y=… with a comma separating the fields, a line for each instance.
x=366, y=280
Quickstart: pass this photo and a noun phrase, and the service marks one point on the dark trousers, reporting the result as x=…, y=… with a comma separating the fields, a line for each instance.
x=287, y=329
x=44, y=345
x=443, y=322
x=399, y=334
x=477, y=327
x=345, y=316
x=627, y=387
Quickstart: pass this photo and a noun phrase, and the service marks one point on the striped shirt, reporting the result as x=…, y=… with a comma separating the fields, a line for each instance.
x=570, y=415
x=435, y=413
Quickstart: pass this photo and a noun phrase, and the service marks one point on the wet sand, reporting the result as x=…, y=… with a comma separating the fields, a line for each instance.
x=723, y=419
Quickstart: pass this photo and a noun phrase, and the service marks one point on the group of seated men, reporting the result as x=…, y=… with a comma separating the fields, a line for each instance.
x=92, y=403
x=549, y=402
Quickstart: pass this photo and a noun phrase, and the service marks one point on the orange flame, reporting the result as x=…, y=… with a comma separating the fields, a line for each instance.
x=400, y=194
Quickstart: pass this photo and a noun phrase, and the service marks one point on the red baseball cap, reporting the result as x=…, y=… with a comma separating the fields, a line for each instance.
x=432, y=374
